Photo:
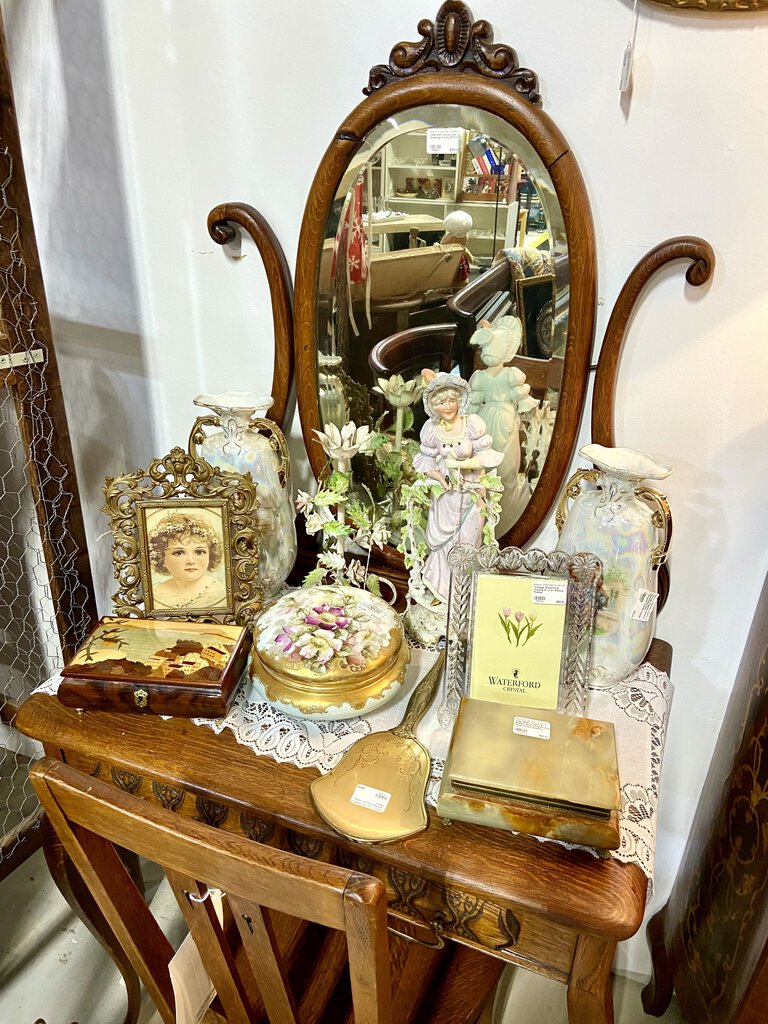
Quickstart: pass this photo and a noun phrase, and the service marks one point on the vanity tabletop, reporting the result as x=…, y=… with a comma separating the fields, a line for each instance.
x=572, y=887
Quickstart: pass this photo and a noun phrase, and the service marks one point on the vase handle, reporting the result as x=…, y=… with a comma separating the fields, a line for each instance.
x=274, y=435
x=277, y=442
x=393, y=596
x=571, y=492
x=662, y=520
x=197, y=434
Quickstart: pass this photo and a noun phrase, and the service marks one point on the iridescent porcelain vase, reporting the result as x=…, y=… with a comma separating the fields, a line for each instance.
x=249, y=443
x=628, y=526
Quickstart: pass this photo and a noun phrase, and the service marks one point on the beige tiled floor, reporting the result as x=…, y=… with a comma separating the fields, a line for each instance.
x=52, y=968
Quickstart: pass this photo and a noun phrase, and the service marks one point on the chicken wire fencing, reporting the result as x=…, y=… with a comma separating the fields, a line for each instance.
x=38, y=551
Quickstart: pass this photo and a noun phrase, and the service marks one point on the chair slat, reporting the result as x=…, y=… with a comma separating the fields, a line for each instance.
x=217, y=957
x=116, y=894
x=331, y=961
x=248, y=958
x=263, y=953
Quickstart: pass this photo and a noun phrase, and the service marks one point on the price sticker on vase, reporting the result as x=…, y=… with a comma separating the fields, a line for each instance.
x=644, y=606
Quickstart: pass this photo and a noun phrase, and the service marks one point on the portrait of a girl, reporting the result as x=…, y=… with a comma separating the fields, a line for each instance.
x=184, y=552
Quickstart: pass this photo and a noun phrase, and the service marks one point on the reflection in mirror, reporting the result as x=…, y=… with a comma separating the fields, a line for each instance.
x=445, y=222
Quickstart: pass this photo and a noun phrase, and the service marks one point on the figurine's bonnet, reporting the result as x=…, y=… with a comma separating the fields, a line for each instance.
x=440, y=382
x=505, y=336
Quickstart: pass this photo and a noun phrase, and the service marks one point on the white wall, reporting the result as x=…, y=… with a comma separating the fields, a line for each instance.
x=139, y=117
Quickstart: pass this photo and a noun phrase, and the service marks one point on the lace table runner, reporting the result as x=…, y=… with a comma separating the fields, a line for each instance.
x=638, y=706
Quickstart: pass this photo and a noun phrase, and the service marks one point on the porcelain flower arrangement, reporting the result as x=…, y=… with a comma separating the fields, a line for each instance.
x=341, y=515
x=346, y=511
x=322, y=637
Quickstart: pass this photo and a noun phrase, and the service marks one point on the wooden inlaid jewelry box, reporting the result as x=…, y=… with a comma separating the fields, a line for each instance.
x=161, y=667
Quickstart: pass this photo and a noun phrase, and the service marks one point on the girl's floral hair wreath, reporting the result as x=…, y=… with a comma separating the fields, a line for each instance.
x=172, y=528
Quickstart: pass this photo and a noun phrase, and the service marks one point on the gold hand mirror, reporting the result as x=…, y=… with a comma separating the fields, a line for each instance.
x=375, y=794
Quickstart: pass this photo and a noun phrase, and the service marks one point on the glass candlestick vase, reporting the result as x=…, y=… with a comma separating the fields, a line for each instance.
x=628, y=526
x=247, y=442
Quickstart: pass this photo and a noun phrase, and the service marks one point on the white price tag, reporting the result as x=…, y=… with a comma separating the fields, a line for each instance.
x=373, y=799
x=193, y=989
x=549, y=591
x=644, y=606
x=531, y=727
x=442, y=140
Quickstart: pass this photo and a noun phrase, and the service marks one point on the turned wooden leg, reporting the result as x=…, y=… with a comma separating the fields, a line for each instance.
x=657, y=994
x=72, y=888
x=590, y=999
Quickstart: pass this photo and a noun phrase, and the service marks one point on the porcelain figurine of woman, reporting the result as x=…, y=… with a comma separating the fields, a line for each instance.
x=456, y=450
x=500, y=395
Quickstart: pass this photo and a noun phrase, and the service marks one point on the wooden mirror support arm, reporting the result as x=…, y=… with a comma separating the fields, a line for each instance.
x=702, y=257
x=685, y=247
x=220, y=228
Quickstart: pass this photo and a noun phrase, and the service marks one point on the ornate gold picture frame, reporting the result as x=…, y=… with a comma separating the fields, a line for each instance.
x=184, y=541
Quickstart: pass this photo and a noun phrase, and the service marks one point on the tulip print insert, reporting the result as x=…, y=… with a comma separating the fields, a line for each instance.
x=327, y=630
x=517, y=639
x=519, y=627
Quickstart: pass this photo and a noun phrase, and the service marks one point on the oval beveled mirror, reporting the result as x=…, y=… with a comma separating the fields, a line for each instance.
x=447, y=198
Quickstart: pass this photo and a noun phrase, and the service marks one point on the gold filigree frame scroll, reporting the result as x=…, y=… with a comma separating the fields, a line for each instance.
x=184, y=483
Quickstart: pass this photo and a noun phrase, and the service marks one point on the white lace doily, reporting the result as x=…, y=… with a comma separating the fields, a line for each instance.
x=638, y=706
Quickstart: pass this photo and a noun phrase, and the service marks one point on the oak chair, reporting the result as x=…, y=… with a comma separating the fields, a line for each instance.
x=438, y=347
x=409, y=351
x=247, y=956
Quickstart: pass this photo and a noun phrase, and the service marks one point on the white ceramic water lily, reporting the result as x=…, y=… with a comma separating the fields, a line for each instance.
x=377, y=535
x=313, y=523
x=304, y=502
x=398, y=392
x=342, y=445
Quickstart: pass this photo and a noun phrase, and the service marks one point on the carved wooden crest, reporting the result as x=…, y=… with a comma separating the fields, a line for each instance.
x=454, y=42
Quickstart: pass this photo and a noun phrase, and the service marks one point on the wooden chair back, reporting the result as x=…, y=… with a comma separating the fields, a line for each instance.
x=245, y=956
x=541, y=374
x=408, y=352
